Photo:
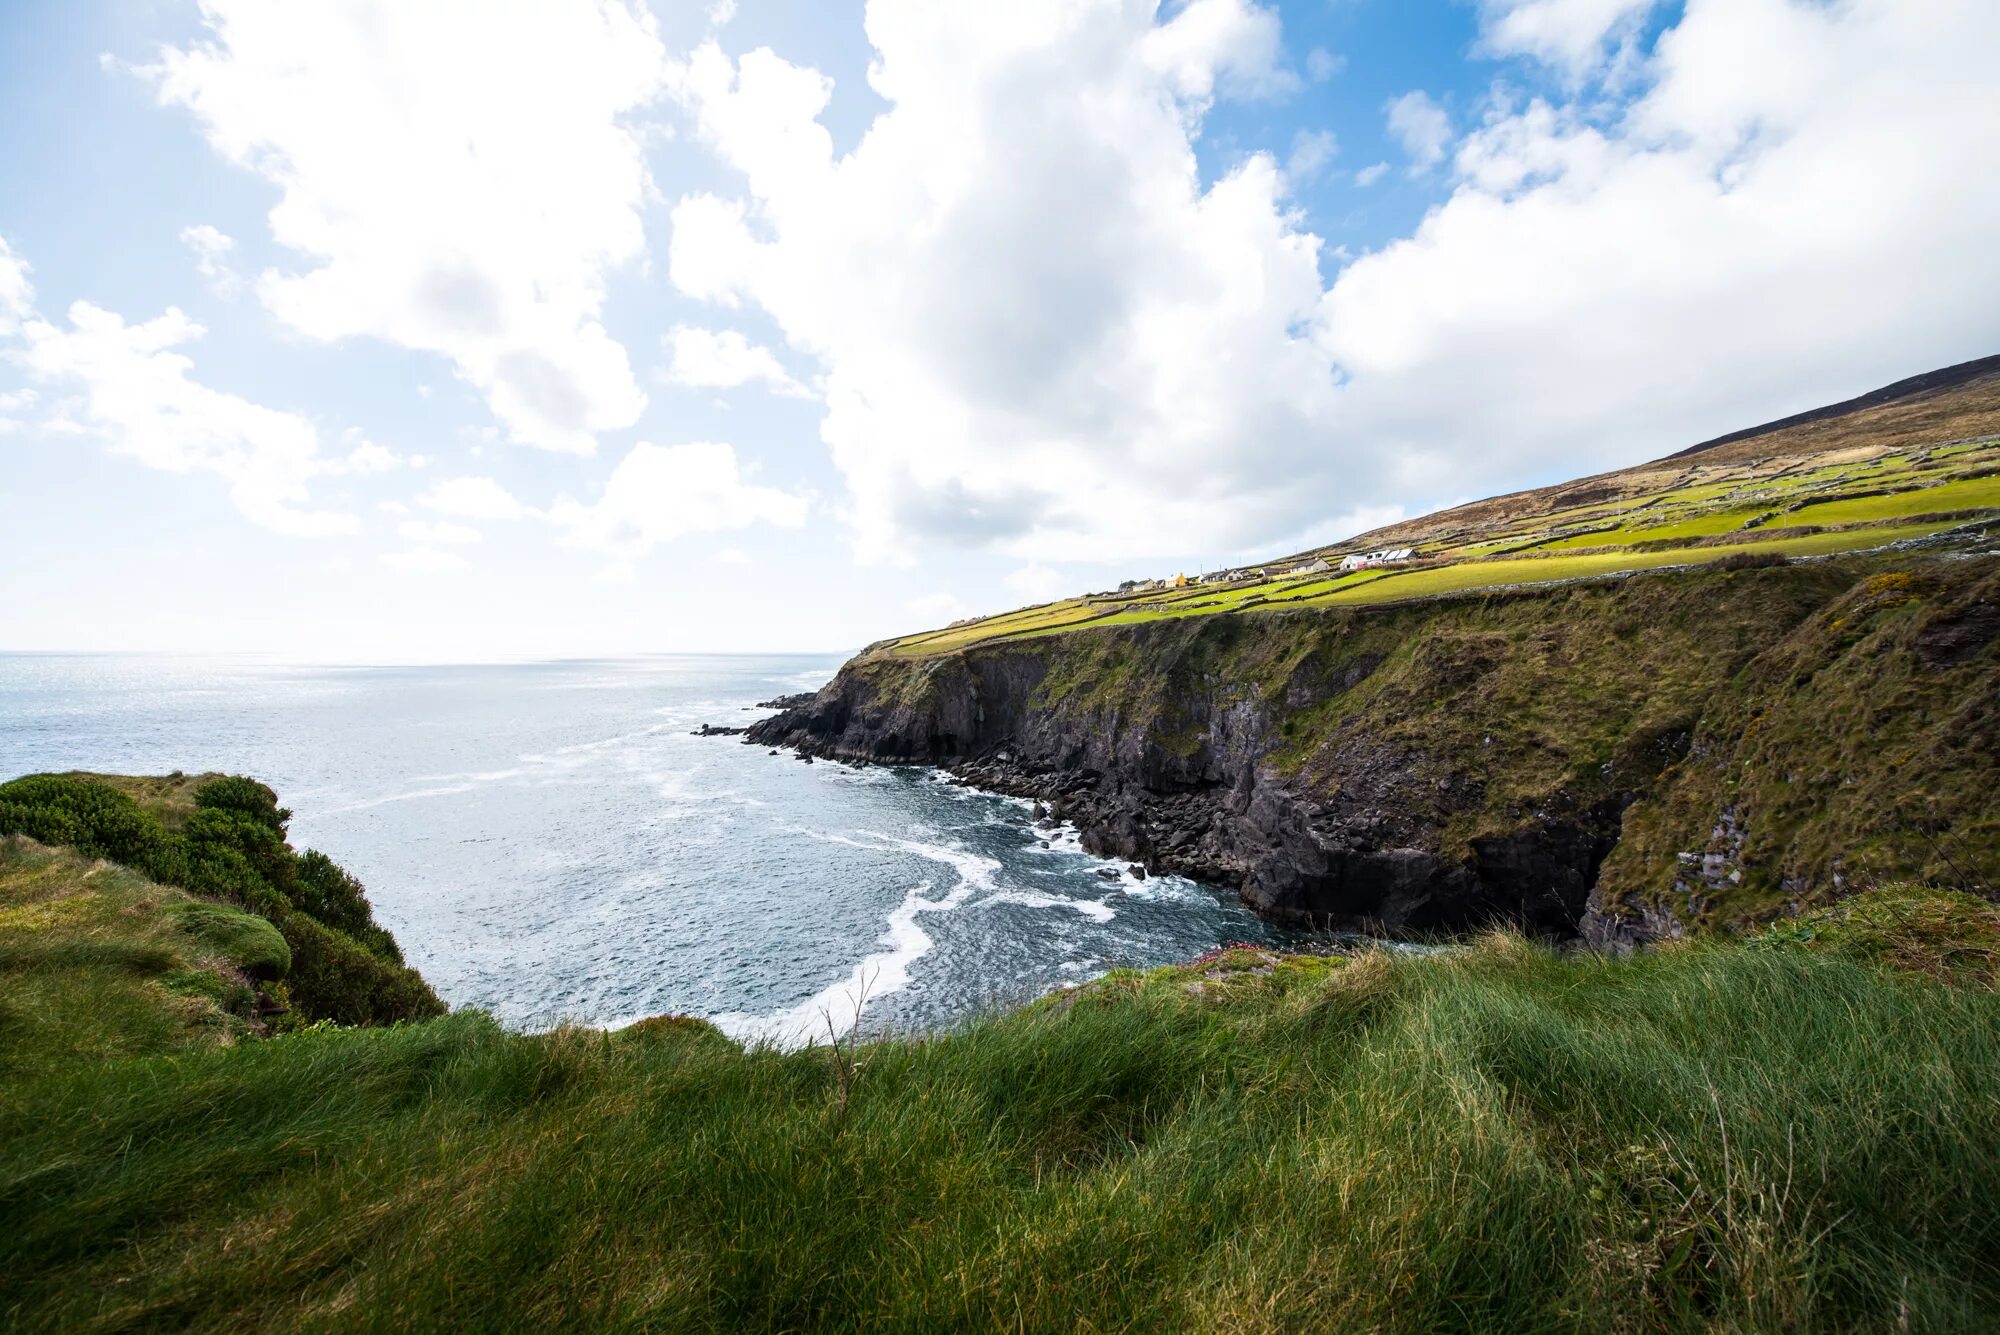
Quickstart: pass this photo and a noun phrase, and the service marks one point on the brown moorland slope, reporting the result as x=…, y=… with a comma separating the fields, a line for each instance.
x=1953, y=403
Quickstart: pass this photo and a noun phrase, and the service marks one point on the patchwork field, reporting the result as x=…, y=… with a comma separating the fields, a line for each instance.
x=1677, y=512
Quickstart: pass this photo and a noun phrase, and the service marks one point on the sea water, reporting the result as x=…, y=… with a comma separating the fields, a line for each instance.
x=549, y=842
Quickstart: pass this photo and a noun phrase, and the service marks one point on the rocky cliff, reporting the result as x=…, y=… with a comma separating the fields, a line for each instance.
x=1625, y=760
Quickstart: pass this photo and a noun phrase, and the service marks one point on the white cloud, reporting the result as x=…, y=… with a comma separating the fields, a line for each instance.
x=1579, y=37
x=724, y=359
x=1312, y=150
x=136, y=394
x=1322, y=64
x=17, y=294
x=17, y=401
x=211, y=248
x=661, y=492
x=425, y=561
x=1040, y=330
x=1368, y=176
x=1039, y=583
x=436, y=533
x=720, y=12
x=1041, y=333
x=1233, y=46
x=474, y=498
x=363, y=458
x=460, y=178
x=937, y=608
x=1752, y=237
x=1421, y=126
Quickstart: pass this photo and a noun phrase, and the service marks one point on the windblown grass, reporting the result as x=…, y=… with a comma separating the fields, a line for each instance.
x=98, y=962
x=1709, y=1137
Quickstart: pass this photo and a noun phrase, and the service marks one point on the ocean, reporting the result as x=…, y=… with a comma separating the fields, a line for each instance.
x=550, y=843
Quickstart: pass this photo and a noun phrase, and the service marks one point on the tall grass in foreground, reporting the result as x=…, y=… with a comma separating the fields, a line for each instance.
x=1706, y=1137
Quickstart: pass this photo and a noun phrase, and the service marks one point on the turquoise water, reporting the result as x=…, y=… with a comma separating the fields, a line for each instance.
x=548, y=842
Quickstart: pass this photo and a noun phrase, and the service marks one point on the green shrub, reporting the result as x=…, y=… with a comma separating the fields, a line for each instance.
x=246, y=797
x=94, y=818
x=342, y=965
x=252, y=943
x=334, y=977
x=330, y=894
x=220, y=842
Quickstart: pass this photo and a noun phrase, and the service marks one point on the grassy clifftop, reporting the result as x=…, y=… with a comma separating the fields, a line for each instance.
x=1789, y=1130
x=212, y=846
x=1794, y=1131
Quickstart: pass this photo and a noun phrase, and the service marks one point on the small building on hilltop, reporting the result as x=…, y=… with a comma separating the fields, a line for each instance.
x=1317, y=567
x=1386, y=556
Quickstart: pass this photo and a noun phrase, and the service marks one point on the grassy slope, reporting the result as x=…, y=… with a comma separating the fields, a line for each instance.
x=1774, y=1134
x=1697, y=511
x=1863, y=743
x=222, y=839
x=98, y=962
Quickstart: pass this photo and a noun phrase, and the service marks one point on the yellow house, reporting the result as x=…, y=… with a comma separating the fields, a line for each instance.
x=1177, y=582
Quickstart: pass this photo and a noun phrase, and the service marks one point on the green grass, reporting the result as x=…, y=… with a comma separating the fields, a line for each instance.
x=97, y=962
x=1529, y=570
x=1972, y=494
x=1730, y=1136
x=1701, y=526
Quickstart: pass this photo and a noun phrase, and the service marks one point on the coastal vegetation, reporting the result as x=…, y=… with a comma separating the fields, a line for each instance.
x=1792, y=1129
x=1668, y=752
x=223, y=839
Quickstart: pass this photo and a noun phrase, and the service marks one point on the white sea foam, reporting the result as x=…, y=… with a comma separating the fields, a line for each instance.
x=1165, y=889
x=1097, y=910
x=560, y=757
x=413, y=795
x=836, y=1009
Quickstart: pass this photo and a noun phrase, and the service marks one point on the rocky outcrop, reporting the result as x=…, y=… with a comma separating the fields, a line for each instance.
x=1406, y=769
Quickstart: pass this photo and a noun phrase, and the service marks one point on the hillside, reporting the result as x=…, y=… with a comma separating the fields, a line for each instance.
x=1695, y=694
x=1793, y=1131
x=1903, y=464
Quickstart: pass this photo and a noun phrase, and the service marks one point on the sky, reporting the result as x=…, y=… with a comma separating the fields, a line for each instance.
x=459, y=330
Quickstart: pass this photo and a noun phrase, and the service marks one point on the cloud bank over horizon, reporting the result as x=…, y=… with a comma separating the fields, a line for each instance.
x=1023, y=294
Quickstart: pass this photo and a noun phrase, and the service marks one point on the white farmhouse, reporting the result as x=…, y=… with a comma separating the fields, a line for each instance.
x=1387, y=556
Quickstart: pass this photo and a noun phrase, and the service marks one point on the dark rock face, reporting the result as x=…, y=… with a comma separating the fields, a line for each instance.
x=1625, y=763
x=1208, y=803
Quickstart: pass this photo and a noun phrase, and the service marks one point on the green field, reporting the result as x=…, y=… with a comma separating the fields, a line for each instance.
x=1535, y=570
x=1535, y=548
x=1701, y=526
x=1973, y=494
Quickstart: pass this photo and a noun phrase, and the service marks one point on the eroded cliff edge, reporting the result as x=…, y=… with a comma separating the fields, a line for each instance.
x=1625, y=760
